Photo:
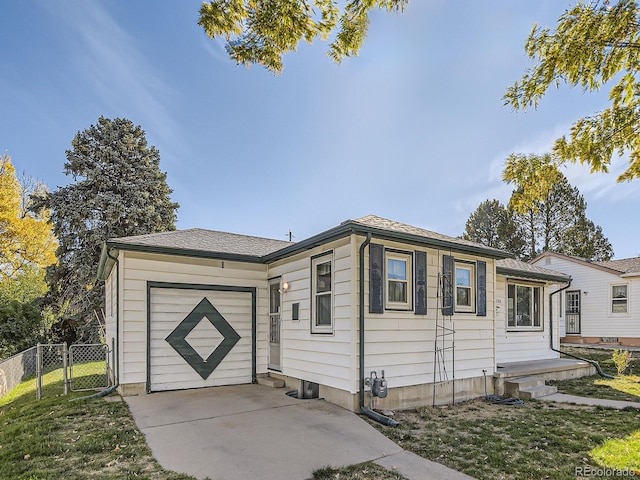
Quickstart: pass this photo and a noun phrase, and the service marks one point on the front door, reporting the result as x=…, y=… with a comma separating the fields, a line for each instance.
x=572, y=319
x=274, y=325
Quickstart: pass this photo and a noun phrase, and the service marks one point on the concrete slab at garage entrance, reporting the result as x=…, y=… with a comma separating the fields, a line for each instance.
x=251, y=431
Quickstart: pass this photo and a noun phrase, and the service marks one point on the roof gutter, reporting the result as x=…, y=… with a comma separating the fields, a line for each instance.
x=106, y=263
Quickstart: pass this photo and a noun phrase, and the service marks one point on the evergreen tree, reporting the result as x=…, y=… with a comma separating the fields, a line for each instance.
x=493, y=225
x=117, y=190
x=558, y=224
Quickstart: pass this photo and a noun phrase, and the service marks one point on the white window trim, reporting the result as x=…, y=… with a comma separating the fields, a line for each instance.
x=405, y=257
x=472, y=288
x=533, y=328
x=611, y=299
x=324, y=258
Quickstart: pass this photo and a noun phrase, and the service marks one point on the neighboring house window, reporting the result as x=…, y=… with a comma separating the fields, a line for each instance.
x=523, y=307
x=322, y=298
x=399, y=283
x=619, y=297
x=465, y=287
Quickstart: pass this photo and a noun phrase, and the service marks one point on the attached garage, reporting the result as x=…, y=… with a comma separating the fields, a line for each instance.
x=200, y=336
x=186, y=309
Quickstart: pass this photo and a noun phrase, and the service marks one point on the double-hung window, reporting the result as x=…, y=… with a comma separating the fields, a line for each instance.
x=523, y=307
x=619, y=298
x=399, y=284
x=465, y=287
x=322, y=294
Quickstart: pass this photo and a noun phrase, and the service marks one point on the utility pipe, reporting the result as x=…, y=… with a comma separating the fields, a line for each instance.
x=592, y=362
x=367, y=411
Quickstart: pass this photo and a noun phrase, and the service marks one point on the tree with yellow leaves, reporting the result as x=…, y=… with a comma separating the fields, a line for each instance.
x=26, y=240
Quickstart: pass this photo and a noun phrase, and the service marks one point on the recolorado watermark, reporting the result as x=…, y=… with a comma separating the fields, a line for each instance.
x=597, y=472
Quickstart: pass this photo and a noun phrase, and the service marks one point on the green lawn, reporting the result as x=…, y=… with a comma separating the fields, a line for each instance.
x=55, y=438
x=626, y=387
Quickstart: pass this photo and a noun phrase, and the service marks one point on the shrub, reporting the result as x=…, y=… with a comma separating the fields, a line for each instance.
x=622, y=359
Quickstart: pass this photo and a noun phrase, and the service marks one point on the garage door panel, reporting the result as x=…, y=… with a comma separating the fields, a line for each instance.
x=188, y=347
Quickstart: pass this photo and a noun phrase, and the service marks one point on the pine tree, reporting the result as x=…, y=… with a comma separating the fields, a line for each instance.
x=559, y=224
x=117, y=190
x=494, y=226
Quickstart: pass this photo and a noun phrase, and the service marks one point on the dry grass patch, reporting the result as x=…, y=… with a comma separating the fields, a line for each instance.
x=538, y=440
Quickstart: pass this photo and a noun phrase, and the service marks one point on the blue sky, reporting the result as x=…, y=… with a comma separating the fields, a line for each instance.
x=413, y=129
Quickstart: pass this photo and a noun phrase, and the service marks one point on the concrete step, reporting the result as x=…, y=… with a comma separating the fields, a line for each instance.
x=537, y=392
x=515, y=385
x=272, y=382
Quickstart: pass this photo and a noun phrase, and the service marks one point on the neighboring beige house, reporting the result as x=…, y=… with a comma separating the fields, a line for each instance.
x=438, y=314
x=602, y=305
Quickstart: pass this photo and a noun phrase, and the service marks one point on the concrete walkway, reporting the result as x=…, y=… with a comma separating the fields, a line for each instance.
x=256, y=432
x=564, y=398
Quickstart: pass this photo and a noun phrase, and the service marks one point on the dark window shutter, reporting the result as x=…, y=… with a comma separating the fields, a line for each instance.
x=376, y=297
x=447, y=284
x=481, y=273
x=421, y=283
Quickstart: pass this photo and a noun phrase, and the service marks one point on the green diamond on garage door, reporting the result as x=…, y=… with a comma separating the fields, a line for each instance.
x=178, y=341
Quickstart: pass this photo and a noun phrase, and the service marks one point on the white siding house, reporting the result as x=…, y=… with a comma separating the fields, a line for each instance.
x=199, y=308
x=602, y=305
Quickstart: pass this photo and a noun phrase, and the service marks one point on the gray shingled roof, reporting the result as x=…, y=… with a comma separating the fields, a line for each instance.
x=511, y=266
x=393, y=226
x=210, y=241
x=624, y=265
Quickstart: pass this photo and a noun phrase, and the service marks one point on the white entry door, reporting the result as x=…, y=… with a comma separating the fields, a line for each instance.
x=274, y=325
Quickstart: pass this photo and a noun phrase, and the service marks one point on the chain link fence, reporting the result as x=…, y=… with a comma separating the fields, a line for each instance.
x=51, y=369
x=88, y=367
x=16, y=369
x=81, y=367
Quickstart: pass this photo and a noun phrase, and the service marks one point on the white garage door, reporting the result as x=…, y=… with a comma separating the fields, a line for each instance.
x=199, y=338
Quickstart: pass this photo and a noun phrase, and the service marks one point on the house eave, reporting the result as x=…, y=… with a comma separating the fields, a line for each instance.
x=534, y=275
x=630, y=274
x=183, y=252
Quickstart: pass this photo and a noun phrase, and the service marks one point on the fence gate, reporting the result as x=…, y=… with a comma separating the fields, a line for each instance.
x=88, y=367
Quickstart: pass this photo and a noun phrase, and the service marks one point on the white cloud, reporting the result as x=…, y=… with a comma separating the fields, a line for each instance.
x=117, y=70
x=216, y=49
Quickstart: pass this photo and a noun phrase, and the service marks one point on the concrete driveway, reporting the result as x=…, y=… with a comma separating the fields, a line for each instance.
x=252, y=432
x=248, y=432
